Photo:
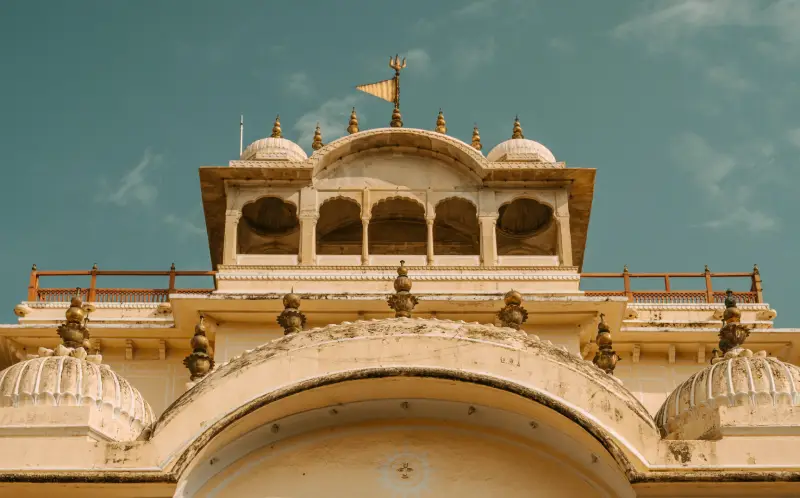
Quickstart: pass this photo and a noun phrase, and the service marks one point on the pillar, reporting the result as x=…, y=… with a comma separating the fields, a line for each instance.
x=564, y=241
x=364, y=241
x=308, y=240
x=230, y=243
x=429, y=222
x=488, y=226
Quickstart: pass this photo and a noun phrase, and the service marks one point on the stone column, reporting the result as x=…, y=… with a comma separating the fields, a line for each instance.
x=364, y=241
x=488, y=240
x=308, y=239
x=564, y=241
x=429, y=222
x=229, y=248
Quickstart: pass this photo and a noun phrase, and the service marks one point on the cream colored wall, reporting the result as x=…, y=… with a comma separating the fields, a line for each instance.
x=159, y=381
x=653, y=378
x=404, y=460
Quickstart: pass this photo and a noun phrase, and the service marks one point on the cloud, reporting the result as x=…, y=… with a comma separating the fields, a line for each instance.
x=724, y=176
x=299, y=84
x=468, y=59
x=561, y=45
x=185, y=226
x=663, y=24
x=478, y=8
x=728, y=79
x=134, y=186
x=332, y=116
x=420, y=59
x=794, y=137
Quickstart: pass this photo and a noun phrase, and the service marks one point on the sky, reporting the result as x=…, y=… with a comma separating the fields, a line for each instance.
x=688, y=110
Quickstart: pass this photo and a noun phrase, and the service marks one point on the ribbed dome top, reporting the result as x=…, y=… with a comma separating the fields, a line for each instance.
x=521, y=149
x=70, y=381
x=274, y=149
x=757, y=381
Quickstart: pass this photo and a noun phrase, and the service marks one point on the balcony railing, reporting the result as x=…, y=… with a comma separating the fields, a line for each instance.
x=667, y=295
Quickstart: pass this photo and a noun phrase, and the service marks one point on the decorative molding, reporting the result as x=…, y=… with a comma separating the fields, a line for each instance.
x=266, y=164
x=162, y=349
x=103, y=305
x=636, y=352
x=697, y=307
x=671, y=354
x=701, y=354
x=128, y=349
x=393, y=269
x=387, y=277
x=514, y=162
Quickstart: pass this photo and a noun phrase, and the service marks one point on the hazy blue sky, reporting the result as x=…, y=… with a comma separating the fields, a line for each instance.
x=688, y=110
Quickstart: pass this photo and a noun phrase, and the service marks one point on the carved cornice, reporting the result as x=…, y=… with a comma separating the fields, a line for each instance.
x=271, y=164
x=515, y=163
x=697, y=307
x=393, y=269
x=387, y=277
x=104, y=305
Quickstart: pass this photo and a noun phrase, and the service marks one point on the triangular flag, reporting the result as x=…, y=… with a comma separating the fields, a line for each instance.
x=386, y=89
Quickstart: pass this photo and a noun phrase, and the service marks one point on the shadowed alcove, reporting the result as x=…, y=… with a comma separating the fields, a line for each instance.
x=339, y=227
x=397, y=226
x=455, y=229
x=525, y=228
x=269, y=225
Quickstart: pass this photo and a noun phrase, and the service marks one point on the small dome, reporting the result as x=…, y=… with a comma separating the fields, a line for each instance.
x=49, y=381
x=521, y=149
x=757, y=381
x=274, y=149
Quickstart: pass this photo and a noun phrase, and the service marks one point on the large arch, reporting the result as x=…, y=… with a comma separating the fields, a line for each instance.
x=396, y=361
x=422, y=142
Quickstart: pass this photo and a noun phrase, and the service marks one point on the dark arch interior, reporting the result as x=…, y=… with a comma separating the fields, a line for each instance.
x=269, y=226
x=525, y=228
x=339, y=227
x=397, y=226
x=455, y=229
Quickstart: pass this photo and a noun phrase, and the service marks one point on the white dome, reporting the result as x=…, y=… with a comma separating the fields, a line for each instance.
x=757, y=381
x=521, y=149
x=50, y=381
x=274, y=149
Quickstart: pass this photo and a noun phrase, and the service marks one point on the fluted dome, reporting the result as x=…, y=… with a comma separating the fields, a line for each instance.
x=521, y=149
x=49, y=381
x=274, y=149
x=757, y=381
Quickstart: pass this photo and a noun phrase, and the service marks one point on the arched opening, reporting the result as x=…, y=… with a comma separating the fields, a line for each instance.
x=339, y=227
x=455, y=229
x=525, y=227
x=269, y=226
x=398, y=226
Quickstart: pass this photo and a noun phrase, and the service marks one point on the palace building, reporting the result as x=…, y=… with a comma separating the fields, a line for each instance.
x=399, y=314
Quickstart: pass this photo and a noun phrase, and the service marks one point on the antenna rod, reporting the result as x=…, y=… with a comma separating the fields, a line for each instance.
x=241, y=134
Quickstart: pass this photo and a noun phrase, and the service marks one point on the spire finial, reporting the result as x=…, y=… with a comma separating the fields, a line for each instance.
x=200, y=361
x=517, y=131
x=402, y=301
x=733, y=333
x=476, y=138
x=276, y=127
x=317, y=143
x=605, y=357
x=397, y=119
x=513, y=314
x=441, y=124
x=353, y=124
x=291, y=319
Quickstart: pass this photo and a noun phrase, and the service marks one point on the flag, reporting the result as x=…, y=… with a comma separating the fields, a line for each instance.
x=386, y=89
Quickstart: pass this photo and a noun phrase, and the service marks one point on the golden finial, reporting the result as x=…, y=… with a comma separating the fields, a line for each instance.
x=397, y=119
x=276, y=128
x=476, y=138
x=353, y=124
x=402, y=301
x=200, y=361
x=605, y=358
x=317, y=143
x=441, y=124
x=517, y=132
x=291, y=319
